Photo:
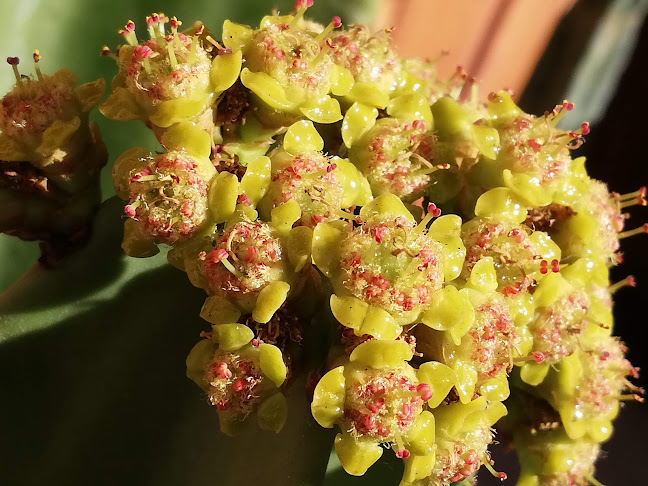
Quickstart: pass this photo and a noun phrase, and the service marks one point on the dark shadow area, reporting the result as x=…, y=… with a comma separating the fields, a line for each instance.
x=551, y=76
x=102, y=399
x=89, y=270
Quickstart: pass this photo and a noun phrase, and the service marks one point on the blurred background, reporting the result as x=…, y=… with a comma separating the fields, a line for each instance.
x=592, y=52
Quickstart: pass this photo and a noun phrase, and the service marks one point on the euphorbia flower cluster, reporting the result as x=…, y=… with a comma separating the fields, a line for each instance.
x=312, y=182
x=332, y=164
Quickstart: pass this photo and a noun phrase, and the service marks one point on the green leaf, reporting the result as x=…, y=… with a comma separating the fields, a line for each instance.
x=94, y=388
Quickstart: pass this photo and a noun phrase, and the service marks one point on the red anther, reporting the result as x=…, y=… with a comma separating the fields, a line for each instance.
x=619, y=257
x=130, y=212
x=516, y=235
x=535, y=145
x=222, y=406
x=130, y=26
x=585, y=128
x=555, y=266
x=331, y=168
x=238, y=385
x=174, y=23
x=143, y=52
x=256, y=342
x=337, y=22
x=631, y=281
x=432, y=208
x=244, y=199
x=279, y=53
x=369, y=422
x=425, y=391
x=402, y=453
x=303, y=4
x=445, y=166
x=419, y=125
x=252, y=252
x=200, y=30
x=316, y=219
x=380, y=233
x=543, y=267
x=299, y=64
x=605, y=355
x=222, y=370
x=13, y=61
x=502, y=476
x=567, y=105
x=217, y=256
x=155, y=17
x=538, y=357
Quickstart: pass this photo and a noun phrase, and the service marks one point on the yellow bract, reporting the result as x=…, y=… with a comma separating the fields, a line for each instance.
x=356, y=456
x=501, y=204
x=272, y=363
x=302, y=137
x=328, y=399
x=382, y=354
x=231, y=337
x=358, y=120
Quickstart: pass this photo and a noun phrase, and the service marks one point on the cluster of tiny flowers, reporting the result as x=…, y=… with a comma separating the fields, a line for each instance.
x=50, y=158
x=168, y=198
x=314, y=183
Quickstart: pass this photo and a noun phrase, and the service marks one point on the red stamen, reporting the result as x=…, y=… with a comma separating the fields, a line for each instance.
x=425, y=391
x=402, y=453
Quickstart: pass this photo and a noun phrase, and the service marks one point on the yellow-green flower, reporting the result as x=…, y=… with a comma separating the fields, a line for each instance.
x=169, y=78
x=322, y=186
x=167, y=193
x=551, y=457
x=480, y=345
x=533, y=158
x=463, y=434
x=44, y=121
x=289, y=69
x=377, y=398
x=240, y=375
x=586, y=387
x=517, y=252
x=592, y=223
x=386, y=270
